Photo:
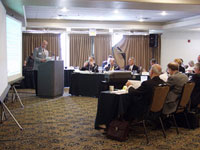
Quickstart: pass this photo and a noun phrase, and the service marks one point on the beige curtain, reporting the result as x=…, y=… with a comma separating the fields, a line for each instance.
x=31, y=41
x=80, y=49
x=138, y=46
x=102, y=48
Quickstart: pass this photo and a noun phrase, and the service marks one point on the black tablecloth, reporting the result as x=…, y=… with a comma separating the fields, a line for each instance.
x=110, y=106
x=67, y=77
x=28, y=81
x=86, y=84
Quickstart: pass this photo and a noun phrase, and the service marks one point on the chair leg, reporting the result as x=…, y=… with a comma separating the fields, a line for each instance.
x=187, y=121
x=145, y=131
x=163, y=129
x=175, y=124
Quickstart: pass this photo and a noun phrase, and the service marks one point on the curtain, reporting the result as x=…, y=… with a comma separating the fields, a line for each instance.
x=102, y=48
x=137, y=46
x=31, y=41
x=80, y=48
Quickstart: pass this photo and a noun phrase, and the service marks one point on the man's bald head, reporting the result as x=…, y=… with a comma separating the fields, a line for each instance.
x=156, y=68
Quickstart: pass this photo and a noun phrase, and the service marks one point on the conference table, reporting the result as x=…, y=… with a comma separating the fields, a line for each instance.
x=110, y=106
x=28, y=81
x=67, y=77
x=86, y=83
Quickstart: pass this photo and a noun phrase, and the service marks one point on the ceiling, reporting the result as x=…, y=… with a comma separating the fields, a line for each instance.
x=104, y=14
x=141, y=14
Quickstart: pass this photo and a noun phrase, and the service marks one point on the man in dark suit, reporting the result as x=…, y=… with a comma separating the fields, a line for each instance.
x=176, y=82
x=90, y=65
x=195, y=97
x=106, y=61
x=131, y=65
x=112, y=65
x=141, y=98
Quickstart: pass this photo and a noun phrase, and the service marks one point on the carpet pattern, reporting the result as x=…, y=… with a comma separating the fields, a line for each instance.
x=68, y=123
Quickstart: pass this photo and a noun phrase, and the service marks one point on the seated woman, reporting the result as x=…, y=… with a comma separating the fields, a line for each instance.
x=180, y=62
x=90, y=65
x=195, y=96
x=190, y=69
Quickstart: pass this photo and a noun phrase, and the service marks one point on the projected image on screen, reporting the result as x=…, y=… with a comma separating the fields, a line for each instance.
x=14, y=48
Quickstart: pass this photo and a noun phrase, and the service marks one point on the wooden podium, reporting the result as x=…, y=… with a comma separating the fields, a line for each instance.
x=51, y=79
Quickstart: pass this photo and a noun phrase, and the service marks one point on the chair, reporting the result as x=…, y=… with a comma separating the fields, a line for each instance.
x=184, y=101
x=155, y=110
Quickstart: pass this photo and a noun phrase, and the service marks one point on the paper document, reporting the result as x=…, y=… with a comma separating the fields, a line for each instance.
x=136, y=84
x=119, y=92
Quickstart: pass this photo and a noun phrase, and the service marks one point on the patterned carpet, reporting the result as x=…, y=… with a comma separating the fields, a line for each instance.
x=68, y=123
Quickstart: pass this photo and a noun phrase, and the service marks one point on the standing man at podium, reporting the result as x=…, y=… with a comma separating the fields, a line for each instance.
x=39, y=56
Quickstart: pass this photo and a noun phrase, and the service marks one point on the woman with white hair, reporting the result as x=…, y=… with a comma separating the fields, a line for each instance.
x=190, y=69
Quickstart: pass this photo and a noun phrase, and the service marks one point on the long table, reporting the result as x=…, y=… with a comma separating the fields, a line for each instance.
x=86, y=84
x=110, y=106
x=91, y=84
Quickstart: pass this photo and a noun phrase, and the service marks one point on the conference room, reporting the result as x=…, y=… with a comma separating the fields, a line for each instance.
x=100, y=74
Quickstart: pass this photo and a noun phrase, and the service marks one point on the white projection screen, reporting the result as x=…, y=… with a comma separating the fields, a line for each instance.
x=3, y=57
x=14, y=48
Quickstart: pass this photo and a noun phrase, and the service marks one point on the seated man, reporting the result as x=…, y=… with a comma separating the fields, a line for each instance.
x=141, y=98
x=106, y=61
x=112, y=65
x=90, y=65
x=195, y=97
x=131, y=65
x=152, y=62
x=176, y=81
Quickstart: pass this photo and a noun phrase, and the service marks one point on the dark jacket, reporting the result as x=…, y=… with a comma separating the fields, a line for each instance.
x=104, y=63
x=181, y=69
x=195, y=97
x=141, y=98
x=146, y=89
x=116, y=67
x=91, y=68
x=135, y=68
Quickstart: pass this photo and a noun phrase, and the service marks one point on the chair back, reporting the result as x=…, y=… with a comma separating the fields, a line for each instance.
x=185, y=97
x=159, y=97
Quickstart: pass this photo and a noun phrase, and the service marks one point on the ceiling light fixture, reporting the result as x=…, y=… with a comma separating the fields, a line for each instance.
x=68, y=29
x=64, y=9
x=116, y=11
x=111, y=30
x=141, y=20
x=163, y=13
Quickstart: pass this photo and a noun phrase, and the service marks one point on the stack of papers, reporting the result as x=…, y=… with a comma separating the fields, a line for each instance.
x=119, y=92
x=136, y=84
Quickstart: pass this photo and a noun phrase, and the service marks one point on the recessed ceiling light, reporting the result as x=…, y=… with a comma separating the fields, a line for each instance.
x=64, y=9
x=100, y=18
x=141, y=20
x=163, y=13
x=68, y=29
x=116, y=11
x=111, y=30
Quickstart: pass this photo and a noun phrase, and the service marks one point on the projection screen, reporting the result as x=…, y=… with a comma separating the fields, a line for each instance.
x=14, y=48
